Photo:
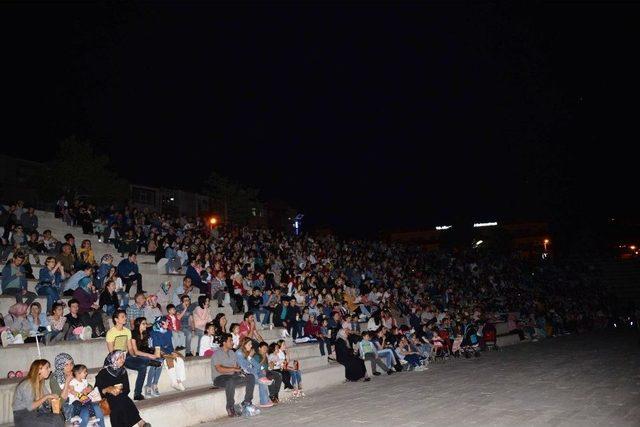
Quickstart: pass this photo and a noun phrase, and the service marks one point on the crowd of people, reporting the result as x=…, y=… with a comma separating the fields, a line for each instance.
x=395, y=306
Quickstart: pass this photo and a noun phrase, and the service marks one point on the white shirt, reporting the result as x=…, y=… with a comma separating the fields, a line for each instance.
x=207, y=343
x=78, y=386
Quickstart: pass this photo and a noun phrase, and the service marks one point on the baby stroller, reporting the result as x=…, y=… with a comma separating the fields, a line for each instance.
x=489, y=337
x=470, y=345
x=438, y=349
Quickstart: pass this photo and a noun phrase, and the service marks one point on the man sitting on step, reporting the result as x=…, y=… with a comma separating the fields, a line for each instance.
x=225, y=372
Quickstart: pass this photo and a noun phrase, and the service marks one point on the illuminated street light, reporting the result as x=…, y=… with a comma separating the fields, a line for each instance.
x=485, y=224
x=213, y=221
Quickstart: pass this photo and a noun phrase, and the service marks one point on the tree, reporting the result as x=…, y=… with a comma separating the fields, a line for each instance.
x=235, y=202
x=77, y=171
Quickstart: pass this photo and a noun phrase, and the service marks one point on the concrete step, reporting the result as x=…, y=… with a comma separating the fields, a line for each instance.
x=92, y=352
x=507, y=340
x=315, y=375
x=204, y=404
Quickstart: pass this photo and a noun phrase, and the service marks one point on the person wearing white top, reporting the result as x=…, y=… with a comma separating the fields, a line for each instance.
x=207, y=343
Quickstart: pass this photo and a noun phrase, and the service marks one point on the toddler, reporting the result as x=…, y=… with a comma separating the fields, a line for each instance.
x=235, y=334
x=79, y=397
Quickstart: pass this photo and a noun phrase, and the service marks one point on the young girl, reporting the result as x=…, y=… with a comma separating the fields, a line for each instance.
x=178, y=338
x=235, y=335
x=80, y=396
x=292, y=367
x=208, y=345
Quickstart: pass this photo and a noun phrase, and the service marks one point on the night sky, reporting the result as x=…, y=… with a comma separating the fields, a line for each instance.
x=365, y=117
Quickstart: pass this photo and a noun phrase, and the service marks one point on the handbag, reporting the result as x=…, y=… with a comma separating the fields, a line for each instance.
x=169, y=359
x=104, y=406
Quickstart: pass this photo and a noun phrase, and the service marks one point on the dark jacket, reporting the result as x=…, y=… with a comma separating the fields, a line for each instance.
x=109, y=299
x=85, y=299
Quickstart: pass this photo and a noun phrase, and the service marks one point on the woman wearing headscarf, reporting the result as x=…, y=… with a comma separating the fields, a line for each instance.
x=161, y=337
x=354, y=369
x=59, y=384
x=89, y=308
x=113, y=383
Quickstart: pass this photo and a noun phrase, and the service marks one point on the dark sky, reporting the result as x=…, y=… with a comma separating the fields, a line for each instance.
x=364, y=117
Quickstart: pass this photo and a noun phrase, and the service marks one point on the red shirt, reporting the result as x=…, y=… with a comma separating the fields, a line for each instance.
x=244, y=329
x=174, y=323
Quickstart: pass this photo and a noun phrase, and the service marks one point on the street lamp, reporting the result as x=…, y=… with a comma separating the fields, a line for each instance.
x=546, y=242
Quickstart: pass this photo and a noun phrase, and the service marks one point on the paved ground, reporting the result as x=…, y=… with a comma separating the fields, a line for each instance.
x=568, y=381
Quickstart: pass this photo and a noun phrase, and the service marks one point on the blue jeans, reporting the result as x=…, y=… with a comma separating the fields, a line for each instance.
x=138, y=364
x=153, y=374
x=84, y=414
x=52, y=295
x=263, y=389
x=124, y=299
x=187, y=340
x=109, y=309
x=200, y=334
x=265, y=318
x=296, y=378
x=387, y=356
x=364, y=310
x=324, y=342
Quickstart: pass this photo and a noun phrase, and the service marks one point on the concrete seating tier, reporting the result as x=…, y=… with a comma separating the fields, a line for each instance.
x=92, y=352
x=502, y=328
x=507, y=340
x=205, y=404
x=198, y=378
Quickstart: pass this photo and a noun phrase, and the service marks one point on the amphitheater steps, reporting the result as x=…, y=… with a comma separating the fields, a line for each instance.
x=206, y=404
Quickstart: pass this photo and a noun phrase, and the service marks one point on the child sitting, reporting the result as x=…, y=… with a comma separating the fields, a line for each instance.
x=80, y=396
x=293, y=368
x=178, y=338
x=235, y=334
x=208, y=345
